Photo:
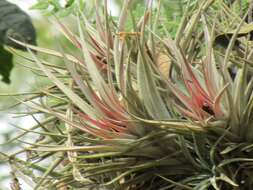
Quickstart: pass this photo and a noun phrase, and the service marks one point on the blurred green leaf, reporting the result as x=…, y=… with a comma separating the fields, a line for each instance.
x=67, y=11
x=40, y=5
x=225, y=37
x=69, y=3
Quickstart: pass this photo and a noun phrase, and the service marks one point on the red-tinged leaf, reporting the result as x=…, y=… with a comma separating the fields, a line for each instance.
x=194, y=87
x=117, y=114
x=104, y=90
x=188, y=74
x=104, y=124
x=191, y=103
x=198, y=98
x=144, y=19
x=99, y=24
x=96, y=46
x=106, y=132
x=116, y=127
x=99, y=62
x=188, y=113
x=101, y=27
x=68, y=34
x=115, y=104
x=98, y=132
x=182, y=97
x=101, y=86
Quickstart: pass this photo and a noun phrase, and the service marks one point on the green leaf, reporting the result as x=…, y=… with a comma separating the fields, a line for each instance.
x=148, y=90
x=244, y=30
x=6, y=65
x=40, y=5
x=65, y=12
x=228, y=180
x=85, y=107
x=225, y=37
x=69, y=3
x=233, y=160
x=56, y=5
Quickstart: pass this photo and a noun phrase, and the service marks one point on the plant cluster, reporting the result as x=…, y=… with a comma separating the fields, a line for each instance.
x=140, y=109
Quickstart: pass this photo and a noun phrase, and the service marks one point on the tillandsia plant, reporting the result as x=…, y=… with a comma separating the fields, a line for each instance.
x=138, y=109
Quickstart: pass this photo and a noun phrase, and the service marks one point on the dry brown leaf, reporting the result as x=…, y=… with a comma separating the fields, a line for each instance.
x=163, y=63
x=62, y=186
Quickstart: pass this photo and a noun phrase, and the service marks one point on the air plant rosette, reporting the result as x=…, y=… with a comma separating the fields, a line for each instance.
x=140, y=109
